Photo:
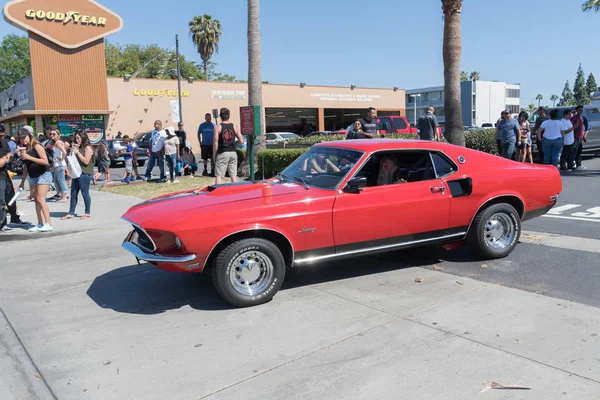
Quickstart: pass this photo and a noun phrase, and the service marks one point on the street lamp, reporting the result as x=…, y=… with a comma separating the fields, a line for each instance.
x=415, y=101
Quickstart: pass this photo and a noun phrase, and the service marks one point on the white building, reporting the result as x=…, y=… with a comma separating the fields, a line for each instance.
x=482, y=101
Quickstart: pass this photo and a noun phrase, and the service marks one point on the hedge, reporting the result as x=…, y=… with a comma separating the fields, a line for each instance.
x=276, y=160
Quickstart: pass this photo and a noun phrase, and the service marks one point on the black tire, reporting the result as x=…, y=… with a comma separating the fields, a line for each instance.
x=481, y=239
x=141, y=163
x=221, y=272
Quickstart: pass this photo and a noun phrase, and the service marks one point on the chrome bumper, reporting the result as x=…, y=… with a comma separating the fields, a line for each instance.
x=142, y=254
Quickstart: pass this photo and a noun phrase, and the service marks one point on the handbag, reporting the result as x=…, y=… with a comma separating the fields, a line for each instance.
x=73, y=165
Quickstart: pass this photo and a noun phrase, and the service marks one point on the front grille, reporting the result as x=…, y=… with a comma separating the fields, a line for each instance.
x=143, y=240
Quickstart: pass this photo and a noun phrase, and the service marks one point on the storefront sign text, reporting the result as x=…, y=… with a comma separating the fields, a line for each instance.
x=228, y=94
x=67, y=118
x=23, y=98
x=65, y=18
x=160, y=93
x=92, y=117
x=343, y=97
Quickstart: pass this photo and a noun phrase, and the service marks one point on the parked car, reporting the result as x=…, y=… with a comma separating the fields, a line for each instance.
x=394, y=124
x=144, y=140
x=320, y=133
x=280, y=137
x=247, y=234
x=114, y=146
x=592, y=113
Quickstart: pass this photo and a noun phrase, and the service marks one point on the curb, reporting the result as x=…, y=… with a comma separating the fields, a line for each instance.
x=31, y=378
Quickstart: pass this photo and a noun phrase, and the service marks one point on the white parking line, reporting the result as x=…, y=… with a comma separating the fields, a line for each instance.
x=572, y=218
x=560, y=209
x=590, y=215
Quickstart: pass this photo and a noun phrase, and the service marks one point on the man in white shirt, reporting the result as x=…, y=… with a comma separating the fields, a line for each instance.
x=568, y=152
x=157, y=152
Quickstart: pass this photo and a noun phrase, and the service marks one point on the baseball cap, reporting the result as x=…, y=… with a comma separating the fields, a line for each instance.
x=507, y=111
x=171, y=130
x=29, y=128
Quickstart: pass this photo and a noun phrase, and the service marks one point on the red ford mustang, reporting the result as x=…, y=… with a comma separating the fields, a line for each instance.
x=341, y=199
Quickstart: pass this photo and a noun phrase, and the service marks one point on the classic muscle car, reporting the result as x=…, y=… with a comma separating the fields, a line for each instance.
x=341, y=199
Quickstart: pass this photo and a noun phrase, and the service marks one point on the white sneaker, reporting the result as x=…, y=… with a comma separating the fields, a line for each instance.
x=581, y=167
x=35, y=228
x=46, y=228
x=6, y=228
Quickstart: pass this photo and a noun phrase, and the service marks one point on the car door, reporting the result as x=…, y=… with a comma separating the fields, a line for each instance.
x=593, y=137
x=392, y=215
x=384, y=124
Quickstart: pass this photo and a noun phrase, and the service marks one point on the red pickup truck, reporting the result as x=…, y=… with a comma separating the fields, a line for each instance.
x=394, y=124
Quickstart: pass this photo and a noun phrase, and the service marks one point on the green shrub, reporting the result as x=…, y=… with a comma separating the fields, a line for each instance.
x=482, y=140
x=309, y=141
x=276, y=160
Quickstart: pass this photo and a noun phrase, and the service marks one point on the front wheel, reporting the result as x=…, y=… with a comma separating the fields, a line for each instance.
x=249, y=272
x=495, y=231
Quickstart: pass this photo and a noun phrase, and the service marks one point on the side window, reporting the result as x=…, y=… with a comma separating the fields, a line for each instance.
x=385, y=124
x=399, y=123
x=397, y=167
x=442, y=165
x=594, y=115
x=271, y=136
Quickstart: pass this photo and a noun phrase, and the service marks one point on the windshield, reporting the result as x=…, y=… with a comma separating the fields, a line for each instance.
x=322, y=167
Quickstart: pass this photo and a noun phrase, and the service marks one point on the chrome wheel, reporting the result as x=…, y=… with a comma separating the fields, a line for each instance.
x=499, y=231
x=251, y=273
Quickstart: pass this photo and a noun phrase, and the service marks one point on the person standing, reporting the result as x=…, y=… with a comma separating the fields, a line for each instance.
x=157, y=144
x=172, y=151
x=128, y=158
x=85, y=157
x=428, y=125
x=58, y=169
x=508, y=130
x=224, y=145
x=206, y=132
x=580, y=135
x=37, y=169
x=9, y=191
x=540, y=136
x=356, y=131
x=566, y=157
x=182, y=135
x=553, y=131
x=369, y=124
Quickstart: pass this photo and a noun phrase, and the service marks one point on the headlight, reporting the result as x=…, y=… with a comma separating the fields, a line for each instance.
x=178, y=243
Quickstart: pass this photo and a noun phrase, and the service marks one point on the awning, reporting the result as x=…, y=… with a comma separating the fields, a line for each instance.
x=27, y=113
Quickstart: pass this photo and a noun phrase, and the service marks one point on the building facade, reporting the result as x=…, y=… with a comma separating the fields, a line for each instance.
x=482, y=101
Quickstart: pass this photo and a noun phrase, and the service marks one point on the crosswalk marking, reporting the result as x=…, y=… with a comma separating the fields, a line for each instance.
x=560, y=209
x=572, y=218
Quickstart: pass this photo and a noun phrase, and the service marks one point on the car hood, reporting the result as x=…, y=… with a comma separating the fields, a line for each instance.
x=166, y=207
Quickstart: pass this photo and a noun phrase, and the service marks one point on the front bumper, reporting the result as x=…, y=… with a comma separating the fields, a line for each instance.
x=141, y=253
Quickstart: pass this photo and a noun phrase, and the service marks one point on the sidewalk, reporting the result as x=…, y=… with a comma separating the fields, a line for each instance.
x=100, y=326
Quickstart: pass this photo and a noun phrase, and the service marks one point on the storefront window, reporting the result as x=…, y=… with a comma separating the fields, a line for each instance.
x=300, y=121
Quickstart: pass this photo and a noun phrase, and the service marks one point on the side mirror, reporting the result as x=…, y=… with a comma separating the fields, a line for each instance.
x=355, y=185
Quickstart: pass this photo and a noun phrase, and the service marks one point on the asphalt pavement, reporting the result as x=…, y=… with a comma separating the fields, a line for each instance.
x=82, y=320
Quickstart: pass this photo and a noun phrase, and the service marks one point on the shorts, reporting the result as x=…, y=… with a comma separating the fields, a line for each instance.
x=45, y=179
x=525, y=144
x=129, y=166
x=206, y=151
x=226, y=162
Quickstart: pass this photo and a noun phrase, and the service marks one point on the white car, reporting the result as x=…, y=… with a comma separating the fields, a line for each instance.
x=280, y=137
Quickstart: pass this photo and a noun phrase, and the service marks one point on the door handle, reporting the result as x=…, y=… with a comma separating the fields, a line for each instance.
x=438, y=189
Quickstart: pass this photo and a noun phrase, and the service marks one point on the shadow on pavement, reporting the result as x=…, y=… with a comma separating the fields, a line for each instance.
x=145, y=289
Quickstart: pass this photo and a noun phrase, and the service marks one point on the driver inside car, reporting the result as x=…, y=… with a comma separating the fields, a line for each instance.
x=388, y=171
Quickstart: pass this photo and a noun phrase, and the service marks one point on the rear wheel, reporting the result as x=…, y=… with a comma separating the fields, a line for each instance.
x=495, y=231
x=249, y=272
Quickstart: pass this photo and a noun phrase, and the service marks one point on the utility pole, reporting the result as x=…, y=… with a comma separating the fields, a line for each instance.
x=414, y=96
x=178, y=78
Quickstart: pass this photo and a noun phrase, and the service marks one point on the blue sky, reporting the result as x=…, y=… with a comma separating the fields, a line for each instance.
x=381, y=43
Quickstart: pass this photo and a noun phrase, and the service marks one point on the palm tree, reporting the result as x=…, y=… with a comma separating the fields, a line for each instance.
x=539, y=98
x=531, y=108
x=553, y=99
x=205, y=33
x=474, y=76
x=452, y=50
x=254, y=77
x=591, y=5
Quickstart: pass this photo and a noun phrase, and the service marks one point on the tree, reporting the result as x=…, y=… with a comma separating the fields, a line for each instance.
x=452, y=49
x=567, y=96
x=474, y=76
x=553, y=99
x=591, y=5
x=539, y=98
x=205, y=33
x=15, y=62
x=580, y=89
x=254, y=78
x=464, y=76
x=591, y=84
x=531, y=107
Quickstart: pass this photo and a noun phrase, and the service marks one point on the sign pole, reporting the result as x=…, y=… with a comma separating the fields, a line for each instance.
x=250, y=126
x=178, y=78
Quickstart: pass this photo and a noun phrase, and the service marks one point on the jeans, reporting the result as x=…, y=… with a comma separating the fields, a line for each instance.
x=500, y=147
x=82, y=183
x=3, y=183
x=508, y=149
x=172, y=162
x=161, y=165
x=577, y=150
x=540, y=147
x=59, y=179
x=566, y=157
x=552, y=148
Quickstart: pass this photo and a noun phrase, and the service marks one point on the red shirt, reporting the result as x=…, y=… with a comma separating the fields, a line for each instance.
x=578, y=131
